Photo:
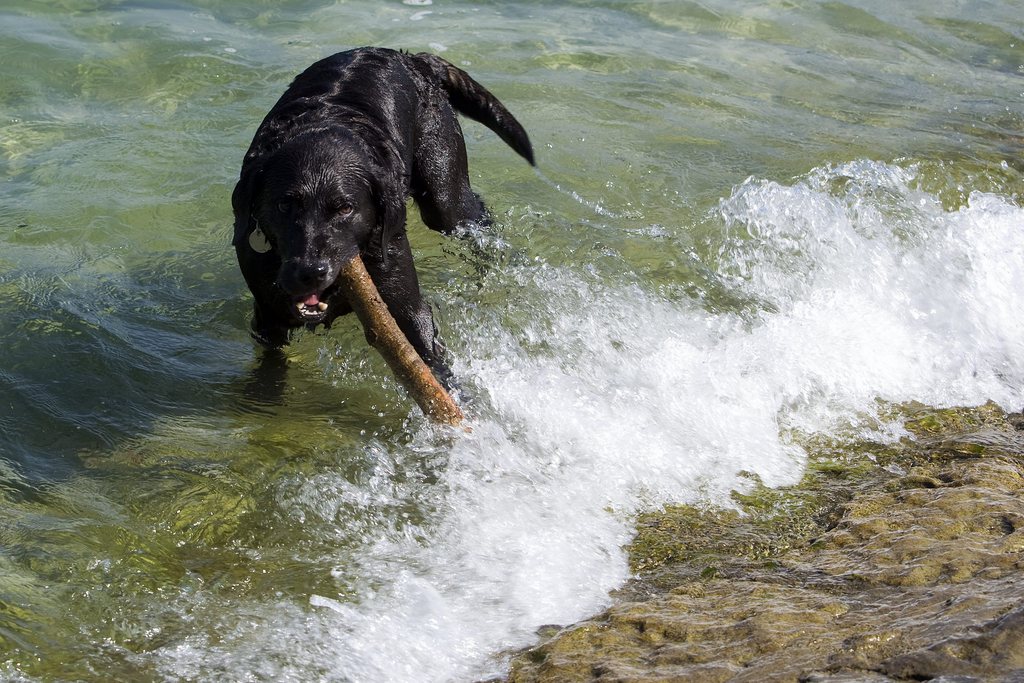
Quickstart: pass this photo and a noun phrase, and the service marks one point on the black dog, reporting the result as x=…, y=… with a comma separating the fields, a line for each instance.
x=327, y=177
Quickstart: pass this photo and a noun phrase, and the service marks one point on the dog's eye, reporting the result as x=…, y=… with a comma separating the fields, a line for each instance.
x=344, y=210
x=289, y=203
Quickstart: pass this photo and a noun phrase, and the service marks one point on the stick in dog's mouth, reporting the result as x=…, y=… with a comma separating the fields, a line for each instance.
x=383, y=333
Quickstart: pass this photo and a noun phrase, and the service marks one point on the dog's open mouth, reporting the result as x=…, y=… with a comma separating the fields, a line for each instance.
x=313, y=308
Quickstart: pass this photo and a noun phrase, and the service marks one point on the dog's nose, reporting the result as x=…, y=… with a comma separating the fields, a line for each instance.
x=303, y=276
x=313, y=272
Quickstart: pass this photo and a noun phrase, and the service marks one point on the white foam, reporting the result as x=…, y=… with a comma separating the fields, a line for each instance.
x=876, y=291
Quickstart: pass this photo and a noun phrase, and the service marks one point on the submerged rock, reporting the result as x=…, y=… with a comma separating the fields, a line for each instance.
x=886, y=563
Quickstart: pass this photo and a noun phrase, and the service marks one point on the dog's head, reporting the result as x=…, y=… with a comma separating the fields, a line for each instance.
x=316, y=202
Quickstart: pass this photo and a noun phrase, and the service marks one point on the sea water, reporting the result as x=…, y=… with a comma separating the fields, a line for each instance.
x=749, y=222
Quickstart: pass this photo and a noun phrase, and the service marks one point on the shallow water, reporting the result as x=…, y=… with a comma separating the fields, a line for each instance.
x=749, y=221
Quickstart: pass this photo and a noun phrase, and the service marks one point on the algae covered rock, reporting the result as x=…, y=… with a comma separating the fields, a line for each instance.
x=889, y=563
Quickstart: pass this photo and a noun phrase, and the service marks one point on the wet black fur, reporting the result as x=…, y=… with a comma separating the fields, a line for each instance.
x=328, y=174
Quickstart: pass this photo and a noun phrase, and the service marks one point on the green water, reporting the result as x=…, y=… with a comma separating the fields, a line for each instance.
x=160, y=519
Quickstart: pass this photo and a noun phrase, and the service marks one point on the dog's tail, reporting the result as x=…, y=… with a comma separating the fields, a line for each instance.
x=473, y=100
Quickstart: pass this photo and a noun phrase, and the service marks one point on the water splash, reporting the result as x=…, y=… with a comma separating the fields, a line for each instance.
x=596, y=401
x=872, y=290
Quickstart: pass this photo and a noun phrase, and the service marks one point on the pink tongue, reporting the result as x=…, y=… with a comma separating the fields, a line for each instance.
x=312, y=300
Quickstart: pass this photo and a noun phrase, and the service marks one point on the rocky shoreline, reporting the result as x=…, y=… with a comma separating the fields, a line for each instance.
x=887, y=562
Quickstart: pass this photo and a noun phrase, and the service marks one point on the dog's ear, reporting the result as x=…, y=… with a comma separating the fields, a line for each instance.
x=248, y=186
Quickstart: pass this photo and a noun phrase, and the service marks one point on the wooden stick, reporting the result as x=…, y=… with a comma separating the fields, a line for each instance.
x=383, y=334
